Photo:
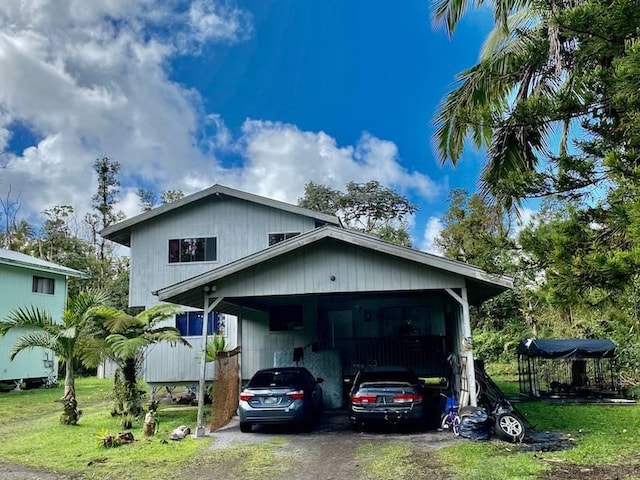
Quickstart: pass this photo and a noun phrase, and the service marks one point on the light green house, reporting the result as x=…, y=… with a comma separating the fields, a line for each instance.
x=28, y=281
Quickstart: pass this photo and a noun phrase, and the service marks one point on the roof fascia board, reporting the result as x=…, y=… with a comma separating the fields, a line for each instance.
x=69, y=272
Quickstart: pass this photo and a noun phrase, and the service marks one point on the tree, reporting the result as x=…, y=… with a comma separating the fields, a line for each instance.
x=476, y=232
x=367, y=207
x=122, y=338
x=479, y=233
x=103, y=202
x=546, y=65
x=65, y=338
x=149, y=199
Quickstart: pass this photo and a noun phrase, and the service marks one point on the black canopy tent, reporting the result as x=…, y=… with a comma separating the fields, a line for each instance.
x=562, y=367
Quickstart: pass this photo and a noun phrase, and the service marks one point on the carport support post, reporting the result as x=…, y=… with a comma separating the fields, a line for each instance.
x=466, y=334
x=208, y=308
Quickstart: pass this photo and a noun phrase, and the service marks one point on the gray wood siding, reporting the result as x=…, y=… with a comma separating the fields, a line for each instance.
x=241, y=228
x=310, y=271
x=173, y=364
x=176, y=364
x=259, y=344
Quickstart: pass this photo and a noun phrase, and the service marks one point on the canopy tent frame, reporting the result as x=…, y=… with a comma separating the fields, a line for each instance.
x=567, y=367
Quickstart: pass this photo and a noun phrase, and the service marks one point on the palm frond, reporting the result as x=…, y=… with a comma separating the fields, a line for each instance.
x=27, y=317
x=158, y=313
x=126, y=347
x=33, y=340
x=81, y=303
x=93, y=350
x=166, y=334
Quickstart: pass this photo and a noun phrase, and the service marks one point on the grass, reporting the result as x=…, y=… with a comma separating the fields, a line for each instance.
x=32, y=435
x=601, y=435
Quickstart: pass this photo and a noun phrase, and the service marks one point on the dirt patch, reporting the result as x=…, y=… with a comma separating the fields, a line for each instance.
x=331, y=451
x=571, y=471
x=17, y=472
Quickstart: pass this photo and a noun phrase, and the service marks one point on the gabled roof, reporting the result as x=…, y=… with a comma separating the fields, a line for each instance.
x=9, y=257
x=493, y=284
x=121, y=232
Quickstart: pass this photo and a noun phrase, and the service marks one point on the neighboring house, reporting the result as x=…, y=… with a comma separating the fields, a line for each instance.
x=303, y=289
x=27, y=281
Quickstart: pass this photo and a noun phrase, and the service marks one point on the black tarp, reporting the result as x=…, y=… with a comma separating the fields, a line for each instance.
x=567, y=348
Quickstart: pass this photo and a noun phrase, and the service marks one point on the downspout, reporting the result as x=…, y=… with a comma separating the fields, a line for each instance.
x=208, y=307
x=467, y=343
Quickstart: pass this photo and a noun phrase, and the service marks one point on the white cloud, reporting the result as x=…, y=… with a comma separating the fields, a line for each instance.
x=91, y=79
x=280, y=159
x=431, y=231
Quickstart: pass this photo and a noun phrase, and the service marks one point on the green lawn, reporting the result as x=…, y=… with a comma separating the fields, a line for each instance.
x=33, y=436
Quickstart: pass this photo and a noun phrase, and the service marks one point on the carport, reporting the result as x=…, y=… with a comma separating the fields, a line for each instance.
x=336, y=299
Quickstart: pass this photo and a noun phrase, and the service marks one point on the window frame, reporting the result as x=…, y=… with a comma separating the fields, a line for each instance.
x=39, y=284
x=284, y=235
x=203, y=249
x=192, y=323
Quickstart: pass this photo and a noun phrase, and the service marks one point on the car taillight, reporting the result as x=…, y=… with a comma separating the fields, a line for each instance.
x=297, y=395
x=360, y=399
x=407, y=398
x=245, y=396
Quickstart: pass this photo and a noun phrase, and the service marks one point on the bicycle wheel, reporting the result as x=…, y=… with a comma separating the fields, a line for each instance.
x=455, y=425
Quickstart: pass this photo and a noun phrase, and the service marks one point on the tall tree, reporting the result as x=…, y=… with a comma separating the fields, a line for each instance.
x=65, y=337
x=369, y=207
x=547, y=65
x=103, y=202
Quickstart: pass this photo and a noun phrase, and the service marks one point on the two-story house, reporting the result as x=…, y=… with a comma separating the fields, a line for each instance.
x=303, y=289
x=26, y=281
x=194, y=235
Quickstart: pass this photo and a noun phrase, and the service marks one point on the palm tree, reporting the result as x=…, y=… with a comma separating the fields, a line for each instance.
x=523, y=86
x=64, y=338
x=122, y=338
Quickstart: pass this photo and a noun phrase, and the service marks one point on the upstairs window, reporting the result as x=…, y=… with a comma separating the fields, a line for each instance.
x=43, y=285
x=189, y=324
x=193, y=250
x=279, y=237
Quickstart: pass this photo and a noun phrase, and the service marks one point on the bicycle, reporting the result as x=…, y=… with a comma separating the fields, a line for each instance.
x=450, y=418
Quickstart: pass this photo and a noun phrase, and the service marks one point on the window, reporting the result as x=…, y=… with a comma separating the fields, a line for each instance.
x=279, y=237
x=193, y=250
x=284, y=318
x=189, y=324
x=43, y=285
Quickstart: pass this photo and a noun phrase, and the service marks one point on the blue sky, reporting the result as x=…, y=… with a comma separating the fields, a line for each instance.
x=258, y=95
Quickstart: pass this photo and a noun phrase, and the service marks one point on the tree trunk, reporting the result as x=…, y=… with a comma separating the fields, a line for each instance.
x=70, y=414
x=133, y=403
x=69, y=380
